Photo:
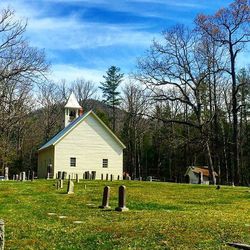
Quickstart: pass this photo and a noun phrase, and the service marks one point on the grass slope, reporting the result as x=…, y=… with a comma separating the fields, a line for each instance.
x=161, y=216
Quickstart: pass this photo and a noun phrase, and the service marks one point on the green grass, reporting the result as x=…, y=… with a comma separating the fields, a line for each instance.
x=161, y=216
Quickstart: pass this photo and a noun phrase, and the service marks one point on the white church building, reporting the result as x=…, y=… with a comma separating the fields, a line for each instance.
x=86, y=146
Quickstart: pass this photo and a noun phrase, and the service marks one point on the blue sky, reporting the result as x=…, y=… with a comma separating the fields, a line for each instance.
x=82, y=38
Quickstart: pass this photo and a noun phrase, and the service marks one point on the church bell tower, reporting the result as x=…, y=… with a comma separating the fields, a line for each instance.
x=72, y=109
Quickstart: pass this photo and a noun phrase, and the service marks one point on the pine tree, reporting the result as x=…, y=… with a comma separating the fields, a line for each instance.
x=111, y=95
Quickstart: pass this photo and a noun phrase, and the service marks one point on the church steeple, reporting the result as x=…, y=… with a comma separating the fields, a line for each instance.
x=72, y=109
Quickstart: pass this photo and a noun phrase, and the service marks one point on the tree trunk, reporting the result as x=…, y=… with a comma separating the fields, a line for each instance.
x=211, y=167
x=236, y=165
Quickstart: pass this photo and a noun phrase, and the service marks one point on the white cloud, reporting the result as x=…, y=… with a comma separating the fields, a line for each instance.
x=71, y=73
x=71, y=33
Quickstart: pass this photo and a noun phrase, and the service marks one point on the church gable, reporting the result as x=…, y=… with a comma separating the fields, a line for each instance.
x=91, y=132
x=90, y=118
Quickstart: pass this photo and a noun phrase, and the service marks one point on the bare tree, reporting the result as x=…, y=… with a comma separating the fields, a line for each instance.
x=20, y=66
x=135, y=103
x=230, y=28
x=175, y=71
x=50, y=102
x=84, y=90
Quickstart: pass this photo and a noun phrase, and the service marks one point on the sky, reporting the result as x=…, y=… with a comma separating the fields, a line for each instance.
x=83, y=38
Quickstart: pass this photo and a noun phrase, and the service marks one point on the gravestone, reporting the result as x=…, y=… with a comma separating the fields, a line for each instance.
x=57, y=184
x=14, y=177
x=77, y=178
x=59, y=174
x=107, y=177
x=2, y=239
x=140, y=178
x=23, y=176
x=150, y=178
x=102, y=177
x=17, y=177
x=61, y=183
x=48, y=175
x=28, y=175
x=93, y=175
x=122, y=200
x=20, y=176
x=111, y=177
x=86, y=175
x=6, y=173
x=105, y=198
x=64, y=175
x=118, y=177
x=70, y=189
x=32, y=176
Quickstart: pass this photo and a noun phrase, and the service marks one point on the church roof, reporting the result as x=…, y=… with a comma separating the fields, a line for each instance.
x=55, y=139
x=72, y=102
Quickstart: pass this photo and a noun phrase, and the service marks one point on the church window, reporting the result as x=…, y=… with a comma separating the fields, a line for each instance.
x=104, y=163
x=72, y=161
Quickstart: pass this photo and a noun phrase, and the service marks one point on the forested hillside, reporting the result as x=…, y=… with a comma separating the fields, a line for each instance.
x=187, y=103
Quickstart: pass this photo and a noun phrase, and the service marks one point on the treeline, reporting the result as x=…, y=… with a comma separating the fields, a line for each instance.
x=188, y=102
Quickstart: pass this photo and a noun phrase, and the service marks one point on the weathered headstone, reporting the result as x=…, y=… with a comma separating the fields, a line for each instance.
x=77, y=178
x=140, y=178
x=105, y=198
x=28, y=175
x=107, y=177
x=32, y=176
x=20, y=176
x=59, y=174
x=111, y=177
x=86, y=175
x=6, y=173
x=64, y=175
x=57, y=184
x=93, y=175
x=150, y=178
x=70, y=189
x=17, y=177
x=2, y=235
x=14, y=177
x=122, y=200
x=23, y=176
x=102, y=177
x=61, y=183
x=48, y=175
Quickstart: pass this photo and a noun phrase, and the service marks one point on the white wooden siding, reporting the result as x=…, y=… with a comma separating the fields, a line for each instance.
x=45, y=157
x=89, y=142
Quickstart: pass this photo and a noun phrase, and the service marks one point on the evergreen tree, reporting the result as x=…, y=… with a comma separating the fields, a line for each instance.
x=111, y=95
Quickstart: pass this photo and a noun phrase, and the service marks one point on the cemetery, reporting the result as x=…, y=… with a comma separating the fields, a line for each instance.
x=105, y=214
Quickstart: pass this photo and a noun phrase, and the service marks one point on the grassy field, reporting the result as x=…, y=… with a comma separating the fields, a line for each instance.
x=161, y=216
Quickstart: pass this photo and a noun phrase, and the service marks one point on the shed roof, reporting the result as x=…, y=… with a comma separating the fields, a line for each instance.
x=55, y=139
x=200, y=169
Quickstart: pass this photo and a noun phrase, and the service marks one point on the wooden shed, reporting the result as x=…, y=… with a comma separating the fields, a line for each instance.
x=198, y=175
